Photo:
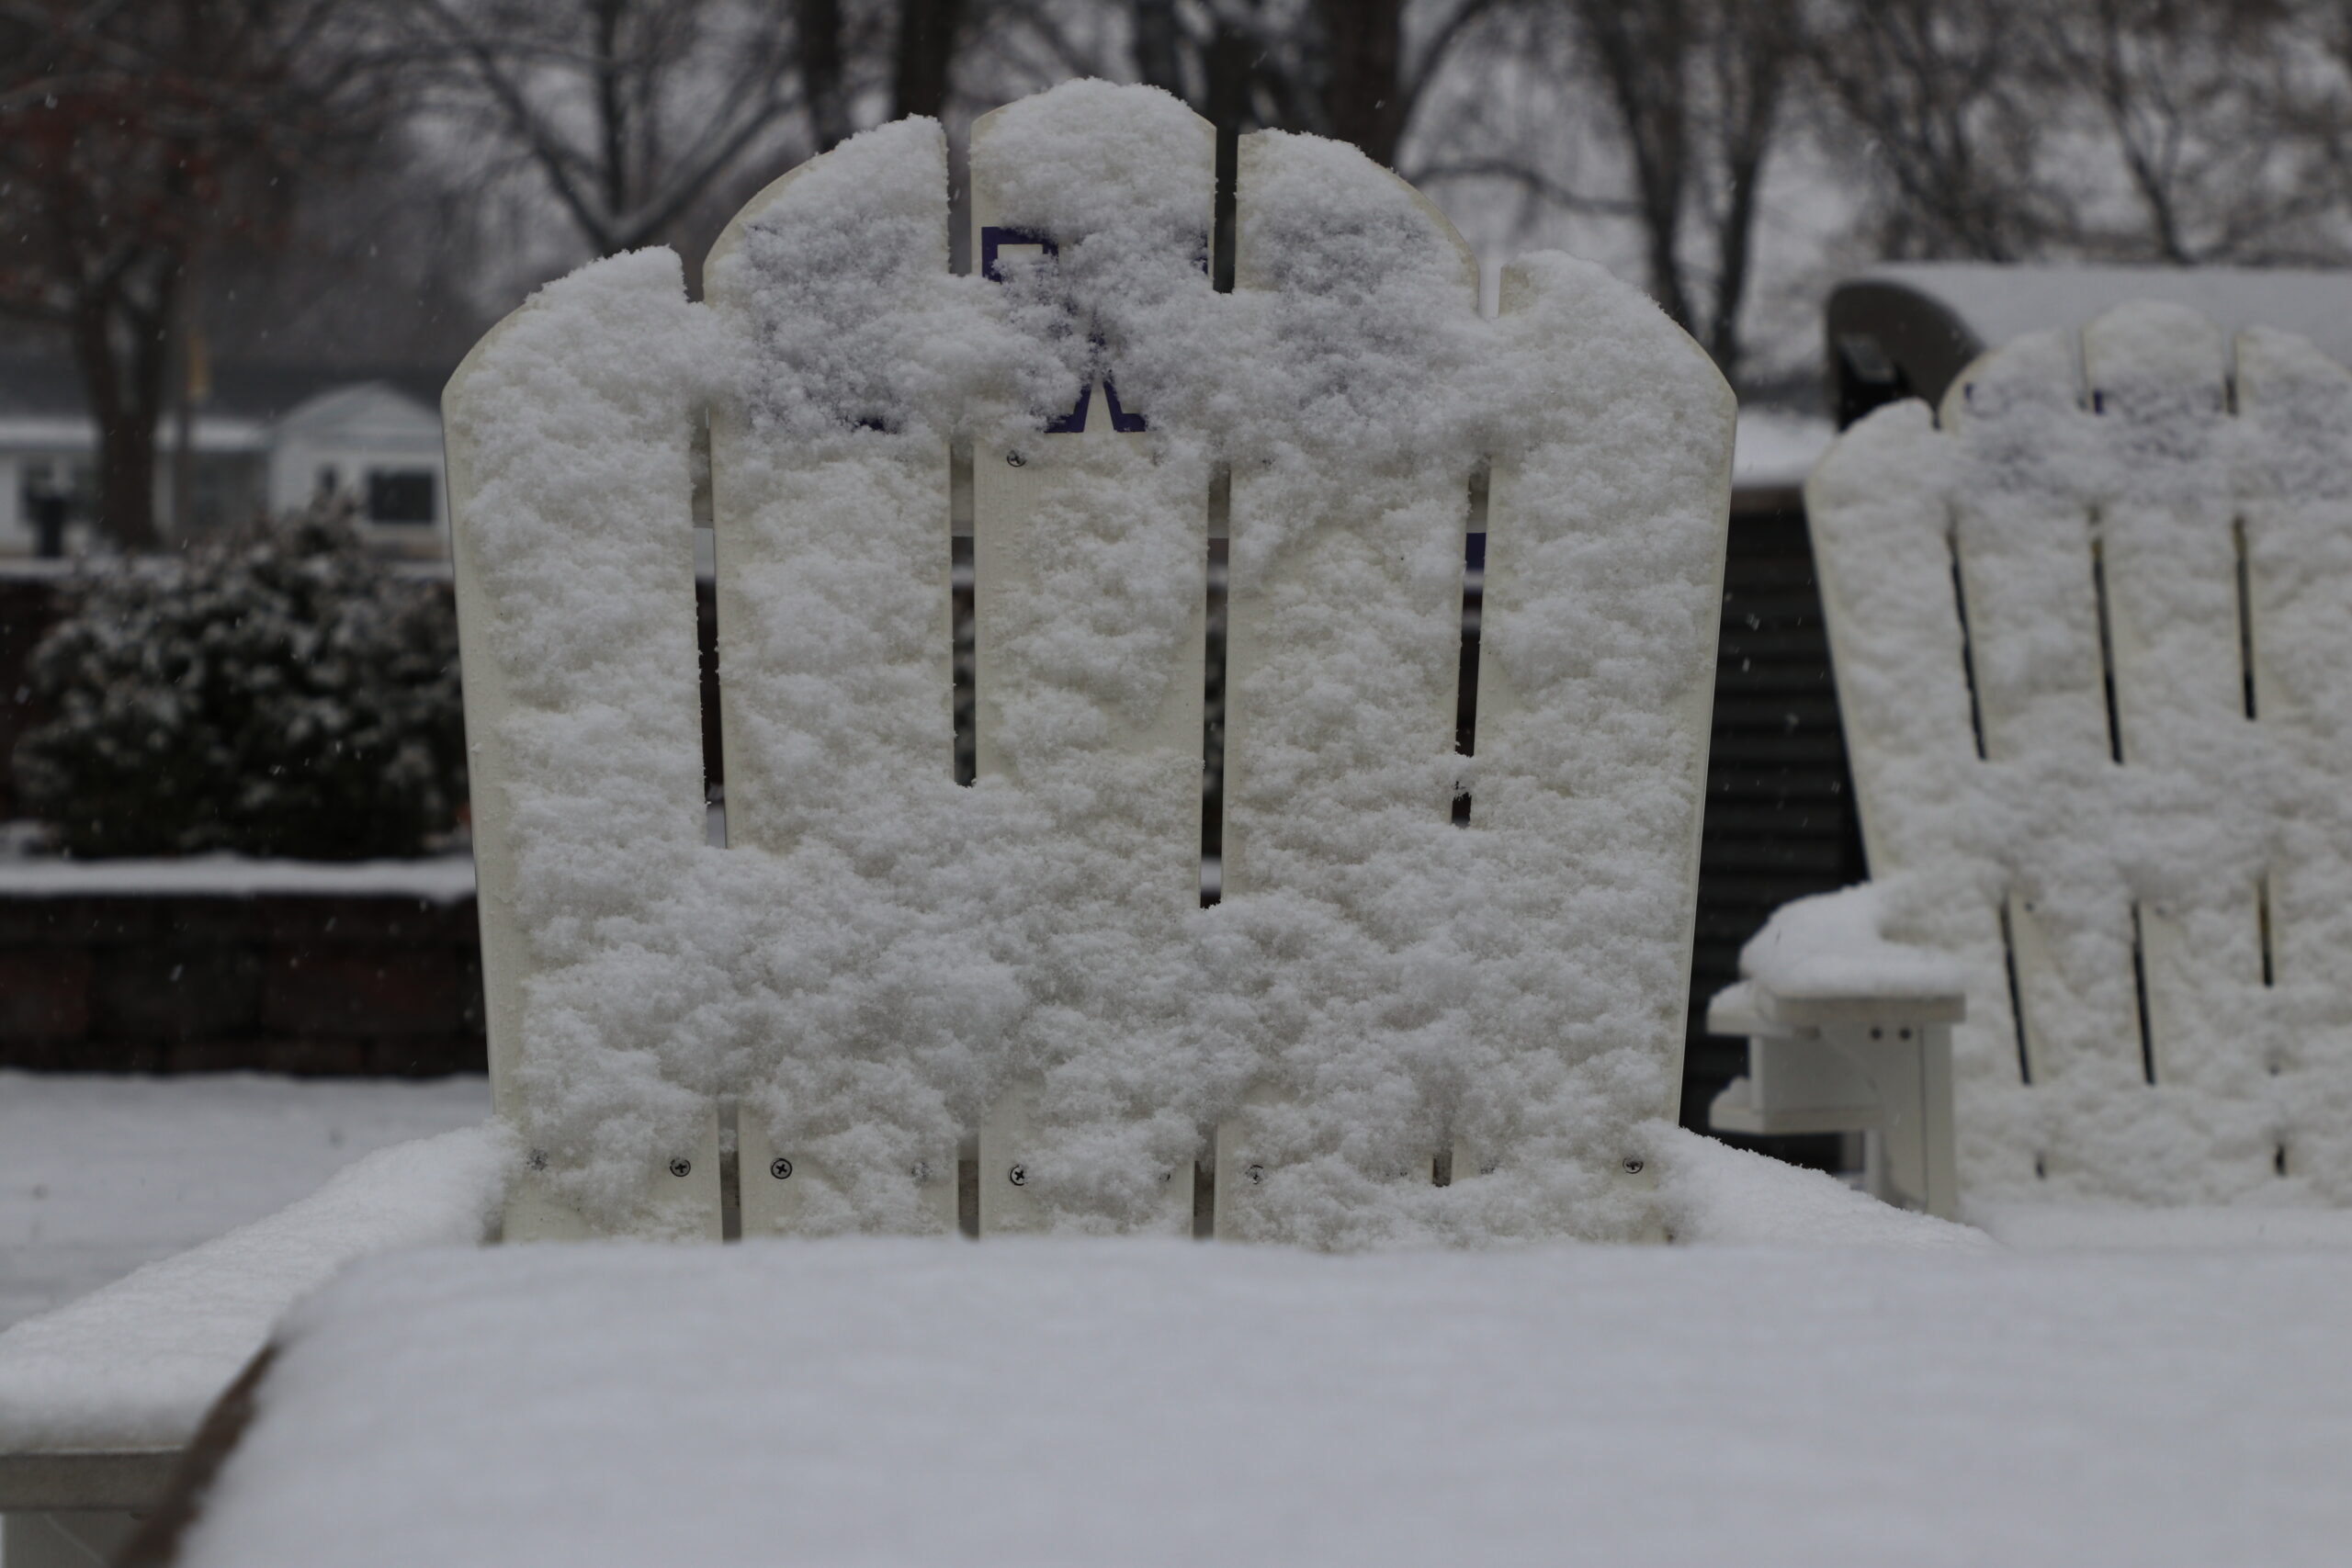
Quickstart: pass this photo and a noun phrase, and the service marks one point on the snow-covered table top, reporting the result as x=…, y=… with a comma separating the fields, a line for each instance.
x=1055, y=1402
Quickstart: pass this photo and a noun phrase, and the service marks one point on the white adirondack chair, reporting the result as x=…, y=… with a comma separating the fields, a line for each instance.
x=885, y=976
x=893, y=1002
x=2093, y=639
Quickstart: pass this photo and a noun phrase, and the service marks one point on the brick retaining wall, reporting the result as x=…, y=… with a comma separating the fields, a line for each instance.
x=383, y=984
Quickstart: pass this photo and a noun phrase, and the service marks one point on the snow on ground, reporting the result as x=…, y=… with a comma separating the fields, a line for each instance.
x=443, y=879
x=1712, y=1193
x=1776, y=448
x=2086, y=1227
x=1048, y=1403
x=99, y=1175
x=135, y=1364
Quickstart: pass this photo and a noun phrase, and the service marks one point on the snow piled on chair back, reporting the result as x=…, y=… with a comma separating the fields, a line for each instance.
x=881, y=962
x=2093, y=637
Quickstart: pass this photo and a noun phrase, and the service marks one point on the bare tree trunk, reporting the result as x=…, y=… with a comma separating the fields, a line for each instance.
x=123, y=349
x=183, y=405
x=1158, y=57
x=1939, y=91
x=1734, y=247
x=2146, y=164
x=1364, y=99
x=612, y=106
x=1752, y=46
x=820, y=72
x=1640, y=54
x=926, y=56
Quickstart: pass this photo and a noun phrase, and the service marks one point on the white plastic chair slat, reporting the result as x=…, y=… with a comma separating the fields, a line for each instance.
x=511, y=751
x=2026, y=560
x=1919, y=719
x=855, y=540
x=2296, y=517
x=2040, y=636
x=1626, y=762
x=489, y=770
x=1105, y=737
x=1375, y=598
x=2167, y=553
x=2168, y=559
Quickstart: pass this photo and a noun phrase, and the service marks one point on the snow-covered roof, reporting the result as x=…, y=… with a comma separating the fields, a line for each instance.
x=36, y=385
x=371, y=413
x=251, y=408
x=74, y=432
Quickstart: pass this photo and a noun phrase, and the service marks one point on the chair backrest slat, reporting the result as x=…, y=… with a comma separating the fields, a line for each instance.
x=1343, y=640
x=1089, y=555
x=2166, y=580
x=594, y=738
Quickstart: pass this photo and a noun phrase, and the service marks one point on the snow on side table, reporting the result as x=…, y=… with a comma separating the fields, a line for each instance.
x=1848, y=1031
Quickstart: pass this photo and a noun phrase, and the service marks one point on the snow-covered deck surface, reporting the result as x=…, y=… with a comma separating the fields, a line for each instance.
x=136, y=1364
x=443, y=879
x=1818, y=1378
x=1044, y=1404
x=101, y=1174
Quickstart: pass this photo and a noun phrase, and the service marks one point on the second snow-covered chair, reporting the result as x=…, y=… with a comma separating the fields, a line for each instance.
x=2092, y=637
x=1441, y=995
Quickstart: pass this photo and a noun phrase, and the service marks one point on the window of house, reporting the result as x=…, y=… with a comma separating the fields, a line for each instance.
x=401, y=495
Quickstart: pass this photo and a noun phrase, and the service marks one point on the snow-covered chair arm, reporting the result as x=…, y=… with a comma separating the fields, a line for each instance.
x=97, y=1397
x=1848, y=1031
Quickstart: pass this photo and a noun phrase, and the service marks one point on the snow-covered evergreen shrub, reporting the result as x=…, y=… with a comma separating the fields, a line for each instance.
x=277, y=691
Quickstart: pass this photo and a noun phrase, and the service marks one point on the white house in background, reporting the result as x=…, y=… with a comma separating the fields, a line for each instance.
x=268, y=437
x=370, y=441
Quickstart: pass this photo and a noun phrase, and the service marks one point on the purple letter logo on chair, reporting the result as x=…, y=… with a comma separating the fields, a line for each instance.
x=993, y=240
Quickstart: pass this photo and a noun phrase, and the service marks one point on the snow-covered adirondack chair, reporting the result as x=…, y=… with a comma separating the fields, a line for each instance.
x=2093, y=637
x=1394, y=1023
x=1441, y=996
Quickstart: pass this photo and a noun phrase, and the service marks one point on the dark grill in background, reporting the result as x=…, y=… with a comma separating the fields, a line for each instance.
x=1781, y=821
